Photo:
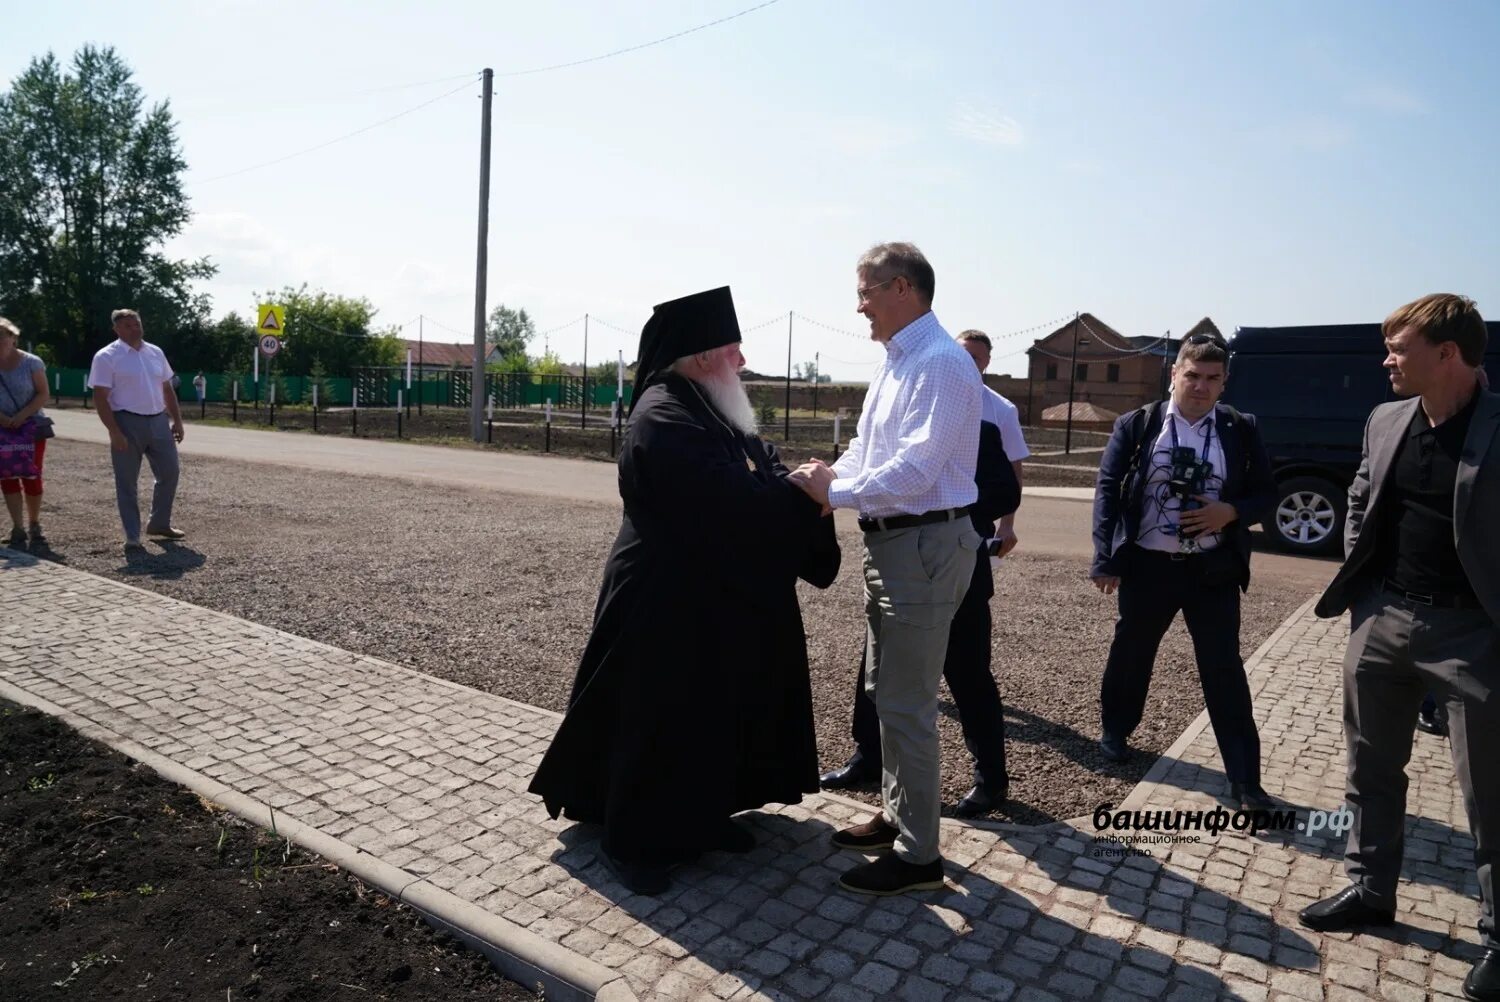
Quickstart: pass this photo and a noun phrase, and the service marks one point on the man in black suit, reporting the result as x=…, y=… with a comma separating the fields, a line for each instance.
x=1178, y=487
x=1421, y=581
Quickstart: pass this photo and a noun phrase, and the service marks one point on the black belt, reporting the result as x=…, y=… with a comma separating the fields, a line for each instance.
x=139, y=414
x=907, y=521
x=1438, y=600
x=1181, y=555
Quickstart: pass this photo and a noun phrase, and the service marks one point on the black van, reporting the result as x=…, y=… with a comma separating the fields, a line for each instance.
x=1312, y=388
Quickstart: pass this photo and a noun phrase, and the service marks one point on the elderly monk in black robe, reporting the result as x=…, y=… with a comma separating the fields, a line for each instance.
x=692, y=702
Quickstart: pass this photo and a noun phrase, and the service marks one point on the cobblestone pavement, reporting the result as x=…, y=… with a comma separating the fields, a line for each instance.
x=430, y=777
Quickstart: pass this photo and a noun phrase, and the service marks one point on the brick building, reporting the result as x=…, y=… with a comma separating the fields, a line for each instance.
x=1115, y=372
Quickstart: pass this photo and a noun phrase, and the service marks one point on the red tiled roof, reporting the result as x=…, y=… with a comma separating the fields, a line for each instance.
x=439, y=354
x=1082, y=411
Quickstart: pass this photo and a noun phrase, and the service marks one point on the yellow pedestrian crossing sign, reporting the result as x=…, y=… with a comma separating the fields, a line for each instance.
x=271, y=320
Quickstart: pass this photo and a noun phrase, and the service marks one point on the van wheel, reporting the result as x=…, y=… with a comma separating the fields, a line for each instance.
x=1309, y=516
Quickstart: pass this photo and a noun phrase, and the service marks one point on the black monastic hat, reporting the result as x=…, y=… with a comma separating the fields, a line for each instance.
x=686, y=326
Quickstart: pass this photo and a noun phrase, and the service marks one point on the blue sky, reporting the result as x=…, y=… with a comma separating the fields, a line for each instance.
x=1268, y=163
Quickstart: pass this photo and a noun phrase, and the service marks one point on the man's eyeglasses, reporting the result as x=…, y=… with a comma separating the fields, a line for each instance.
x=864, y=294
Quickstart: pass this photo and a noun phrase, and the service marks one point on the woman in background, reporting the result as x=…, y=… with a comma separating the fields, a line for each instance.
x=23, y=391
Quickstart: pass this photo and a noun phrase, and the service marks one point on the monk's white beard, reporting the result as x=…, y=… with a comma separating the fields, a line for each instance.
x=727, y=394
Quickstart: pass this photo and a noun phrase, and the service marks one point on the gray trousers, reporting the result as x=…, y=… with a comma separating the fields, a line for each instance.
x=914, y=581
x=150, y=437
x=1399, y=651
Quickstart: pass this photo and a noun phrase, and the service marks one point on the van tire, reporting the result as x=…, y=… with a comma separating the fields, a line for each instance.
x=1308, y=517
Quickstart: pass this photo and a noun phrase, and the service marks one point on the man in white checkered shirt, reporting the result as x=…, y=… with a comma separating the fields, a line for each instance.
x=909, y=472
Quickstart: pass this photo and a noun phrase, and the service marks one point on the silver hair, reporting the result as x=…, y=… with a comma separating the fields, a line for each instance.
x=683, y=365
x=899, y=260
x=118, y=315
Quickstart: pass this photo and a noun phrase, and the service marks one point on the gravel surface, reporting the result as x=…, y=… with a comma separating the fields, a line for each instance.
x=496, y=591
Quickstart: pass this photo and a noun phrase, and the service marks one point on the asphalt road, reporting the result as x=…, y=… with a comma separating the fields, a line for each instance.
x=1054, y=521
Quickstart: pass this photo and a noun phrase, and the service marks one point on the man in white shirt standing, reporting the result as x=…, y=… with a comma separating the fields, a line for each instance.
x=1006, y=416
x=133, y=395
x=909, y=472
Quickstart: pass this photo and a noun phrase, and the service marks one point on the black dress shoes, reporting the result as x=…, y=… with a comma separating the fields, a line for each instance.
x=1344, y=910
x=980, y=800
x=1432, y=725
x=858, y=771
x=1114, y=748
x=1483, y=982
x=1250, y=796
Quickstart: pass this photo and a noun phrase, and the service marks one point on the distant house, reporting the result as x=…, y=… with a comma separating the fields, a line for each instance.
x=1084, y=416
x=436, y=355
x=1117, y=373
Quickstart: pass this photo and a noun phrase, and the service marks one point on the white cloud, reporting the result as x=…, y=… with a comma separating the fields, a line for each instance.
x=980, y=126
x=1388, y=98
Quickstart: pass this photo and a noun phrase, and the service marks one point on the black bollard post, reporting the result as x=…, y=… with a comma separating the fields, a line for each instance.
x=489, y=435
x=354, y=422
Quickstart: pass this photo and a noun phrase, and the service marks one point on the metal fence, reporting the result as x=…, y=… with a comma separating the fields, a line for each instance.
x=379, y=387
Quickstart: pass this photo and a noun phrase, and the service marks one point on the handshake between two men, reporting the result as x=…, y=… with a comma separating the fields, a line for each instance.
x=814, y=478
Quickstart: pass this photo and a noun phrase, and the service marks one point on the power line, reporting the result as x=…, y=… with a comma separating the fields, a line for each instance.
x=829, y=327
x=767, y=323
x=561, y=327
x=1049, y=325
x=606, y=323
x=1142, y=350
x=635, y=48
x=357, y=132
x=450, y=330
x=236, y=107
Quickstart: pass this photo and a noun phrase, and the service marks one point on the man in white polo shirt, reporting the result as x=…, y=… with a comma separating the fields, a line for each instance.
x=133, y=394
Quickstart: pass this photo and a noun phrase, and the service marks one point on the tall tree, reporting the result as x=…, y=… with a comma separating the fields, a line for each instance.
x=339, y=331
x=510, y=330
x=208, y=346
x=90, y=191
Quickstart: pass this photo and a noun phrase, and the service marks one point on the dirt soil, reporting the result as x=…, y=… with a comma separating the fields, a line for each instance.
x=496, y=591
x=119, y=884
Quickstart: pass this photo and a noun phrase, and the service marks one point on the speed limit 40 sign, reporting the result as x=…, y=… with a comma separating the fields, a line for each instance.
x=270, y=344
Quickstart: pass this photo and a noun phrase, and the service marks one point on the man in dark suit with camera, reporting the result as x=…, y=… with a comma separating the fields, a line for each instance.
x=1421, y=581
x=1179, y=485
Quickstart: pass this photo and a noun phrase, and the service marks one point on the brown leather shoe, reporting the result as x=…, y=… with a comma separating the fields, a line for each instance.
x=876, y=833
x=890, y=874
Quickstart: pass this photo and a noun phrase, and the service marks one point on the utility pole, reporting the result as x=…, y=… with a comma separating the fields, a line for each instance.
x=787, y=434
x=1166, y=363
x=1031, y=389
x=481, y=265
x=1072, y=380
x=421, y=372
x=583, y=415
x=817, y=374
